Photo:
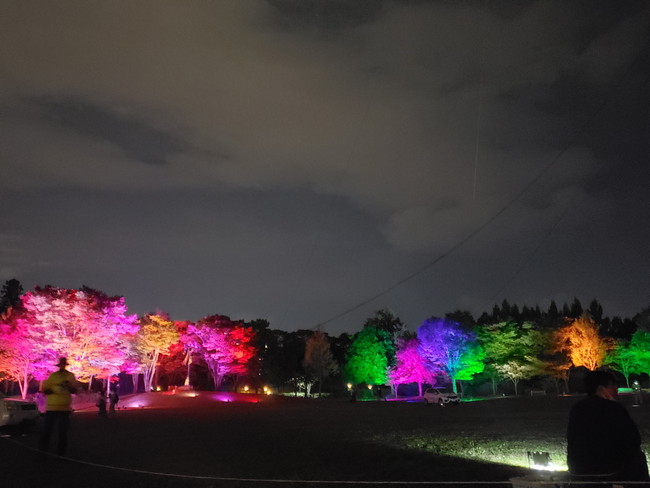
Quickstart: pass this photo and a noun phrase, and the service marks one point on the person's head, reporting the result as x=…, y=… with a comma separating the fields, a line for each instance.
x=63, y=362
x=601, y=383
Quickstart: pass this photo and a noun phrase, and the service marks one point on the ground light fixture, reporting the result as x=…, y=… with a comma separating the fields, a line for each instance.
x=541, y=460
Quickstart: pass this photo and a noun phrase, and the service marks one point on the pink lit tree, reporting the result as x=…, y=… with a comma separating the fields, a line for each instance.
x=409, y=366
x=225, y=346
x=89, y=328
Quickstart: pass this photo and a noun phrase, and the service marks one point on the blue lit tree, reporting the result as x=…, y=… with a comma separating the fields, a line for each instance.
x=446, y=345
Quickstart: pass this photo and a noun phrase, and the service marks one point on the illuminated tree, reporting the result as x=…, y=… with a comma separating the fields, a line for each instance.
x=318, y=358
x=622, y=359
x=410, y=367
x=90, y=328
x=367, y=357
x=631, y=356
x=511, y=351
x=520, y=369
x=225, y=346
x=157, y=333
x=640, y=343
x=446, y=345
x=582, y=343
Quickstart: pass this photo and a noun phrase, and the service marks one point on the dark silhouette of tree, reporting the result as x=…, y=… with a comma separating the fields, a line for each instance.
x=576, y=308
x=463, y=317
x=596, y=311
x=10, y=295
x=319, y=361
x=642, y=319
x=553, y=312
x=384, y=319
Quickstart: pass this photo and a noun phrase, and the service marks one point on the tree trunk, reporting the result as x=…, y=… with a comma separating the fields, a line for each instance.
x=515, y=382
x=453, y=385
x=494, y=386
x=134, y=379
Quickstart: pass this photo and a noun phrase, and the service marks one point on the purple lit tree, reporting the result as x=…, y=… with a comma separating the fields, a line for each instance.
x=446, y=345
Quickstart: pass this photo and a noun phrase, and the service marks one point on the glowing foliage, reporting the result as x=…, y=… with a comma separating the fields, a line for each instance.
x=511, y=351
x=157, y=333
x=582, y=343
x=409, y=366
x=367, y=357
x=225, y=346
x=632, y=356
x=91, y=329
x=445, y=345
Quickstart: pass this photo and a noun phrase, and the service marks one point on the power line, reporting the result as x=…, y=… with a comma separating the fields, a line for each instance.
x=570, y=142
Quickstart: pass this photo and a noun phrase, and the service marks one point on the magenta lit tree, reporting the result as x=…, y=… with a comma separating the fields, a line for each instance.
x=446, y=345
x=89, y=328
x=225, y=346
x=409, y=366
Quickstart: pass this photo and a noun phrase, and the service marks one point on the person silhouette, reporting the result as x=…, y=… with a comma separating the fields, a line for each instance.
x=58, y=389
x=602, y=439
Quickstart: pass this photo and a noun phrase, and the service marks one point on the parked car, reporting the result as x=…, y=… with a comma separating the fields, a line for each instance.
x=17, y=415
x=440, y=396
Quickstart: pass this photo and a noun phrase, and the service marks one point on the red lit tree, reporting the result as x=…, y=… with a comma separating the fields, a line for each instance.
x=225, y=346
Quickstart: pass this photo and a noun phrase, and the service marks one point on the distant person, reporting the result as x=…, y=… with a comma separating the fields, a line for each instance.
x=602, y=439
x=113, y=399
x=101, y=403
x=58, y=389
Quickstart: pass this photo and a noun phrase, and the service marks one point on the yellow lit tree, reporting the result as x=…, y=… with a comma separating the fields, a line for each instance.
x=580, y=341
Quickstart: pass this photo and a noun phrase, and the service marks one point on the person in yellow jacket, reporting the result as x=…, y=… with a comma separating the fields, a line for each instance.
x=58, y=389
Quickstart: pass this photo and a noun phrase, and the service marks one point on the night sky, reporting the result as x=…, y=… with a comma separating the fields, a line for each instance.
x=292, y=159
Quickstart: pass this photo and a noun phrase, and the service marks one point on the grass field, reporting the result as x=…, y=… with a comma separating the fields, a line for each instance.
x=297, y=439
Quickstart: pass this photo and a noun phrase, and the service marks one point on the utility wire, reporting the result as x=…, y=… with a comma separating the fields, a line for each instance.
x=570, y=142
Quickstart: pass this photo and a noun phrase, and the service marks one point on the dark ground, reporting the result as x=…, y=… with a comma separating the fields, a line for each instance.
x=279, y=438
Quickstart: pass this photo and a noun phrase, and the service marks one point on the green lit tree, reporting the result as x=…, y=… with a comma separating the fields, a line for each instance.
x=630, y=357
x=367, y=357
x=512, y=351
x=623, y=359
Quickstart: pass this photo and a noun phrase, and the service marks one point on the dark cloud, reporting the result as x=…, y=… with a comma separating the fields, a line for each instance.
x=137, y=140
x=325, y=14
x=301, y=156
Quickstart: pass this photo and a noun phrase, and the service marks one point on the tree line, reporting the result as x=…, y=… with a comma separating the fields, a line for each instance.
x=506, y=346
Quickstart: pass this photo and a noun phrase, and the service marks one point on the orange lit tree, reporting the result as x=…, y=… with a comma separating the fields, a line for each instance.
x=580, y=341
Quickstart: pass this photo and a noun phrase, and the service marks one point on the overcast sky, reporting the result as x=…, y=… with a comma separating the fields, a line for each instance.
x=291, y=159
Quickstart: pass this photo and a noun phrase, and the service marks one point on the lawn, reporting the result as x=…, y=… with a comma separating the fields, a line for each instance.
x=297, y=439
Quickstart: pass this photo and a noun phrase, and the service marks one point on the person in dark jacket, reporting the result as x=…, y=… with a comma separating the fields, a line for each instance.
x=602, y=438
